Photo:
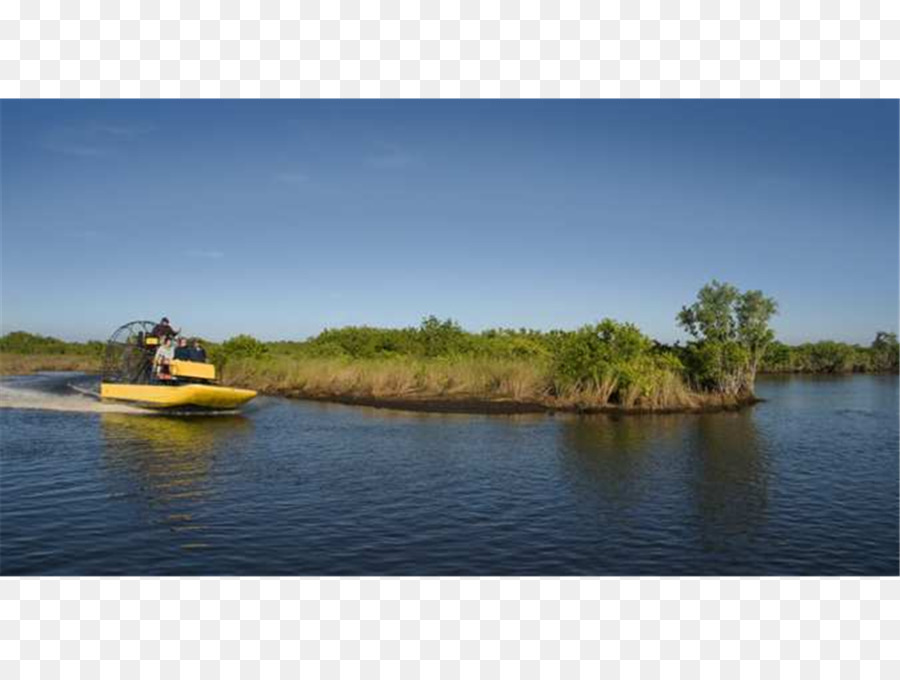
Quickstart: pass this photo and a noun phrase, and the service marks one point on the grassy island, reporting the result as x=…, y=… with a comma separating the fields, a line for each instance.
x=464, y=384
x=608, y=366
x=438, y=366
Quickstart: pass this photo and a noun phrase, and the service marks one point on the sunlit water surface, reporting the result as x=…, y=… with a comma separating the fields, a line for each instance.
x=805, y=483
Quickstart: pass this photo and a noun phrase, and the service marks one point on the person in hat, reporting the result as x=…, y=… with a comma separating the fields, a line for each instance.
x=164, y=329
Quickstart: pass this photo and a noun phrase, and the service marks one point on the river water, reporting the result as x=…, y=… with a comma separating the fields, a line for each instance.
x=805, y=483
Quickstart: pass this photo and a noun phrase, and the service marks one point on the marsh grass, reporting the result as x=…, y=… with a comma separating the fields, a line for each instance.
x=392, y=377
x=23, y=364
x=453, y=379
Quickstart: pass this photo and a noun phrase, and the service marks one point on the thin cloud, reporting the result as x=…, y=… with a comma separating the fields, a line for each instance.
x=88, y=235
x=123, y=130
x=293, y=178
x=390, y=157
x=70, y=149
x=93, y=139
x=206, y=254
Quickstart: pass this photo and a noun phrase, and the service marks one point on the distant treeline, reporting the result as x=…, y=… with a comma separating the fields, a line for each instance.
x=436, y=338
x=29, y=343
x=827, y=356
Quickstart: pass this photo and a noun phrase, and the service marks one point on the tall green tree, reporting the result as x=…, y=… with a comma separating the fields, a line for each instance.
x=731, y=332
x=753, y=311
x=885, y=352
x=711, y=317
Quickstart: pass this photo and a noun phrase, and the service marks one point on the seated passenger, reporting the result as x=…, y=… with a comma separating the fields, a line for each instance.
x=164, y=330
x=198, y=353
x=163, y=358
x=182, y=351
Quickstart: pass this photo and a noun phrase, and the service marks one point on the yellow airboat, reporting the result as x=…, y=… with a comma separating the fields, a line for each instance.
x=130, y=376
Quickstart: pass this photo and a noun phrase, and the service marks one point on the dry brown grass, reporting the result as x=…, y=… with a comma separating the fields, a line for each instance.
x=449, y=380
x=460, y=379
x=392, y=378
x=23, y=364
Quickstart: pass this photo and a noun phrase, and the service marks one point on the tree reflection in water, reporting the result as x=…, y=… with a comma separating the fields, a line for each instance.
x=164, y=463
x=613, y=456
x=654, y=486
x=729, y=482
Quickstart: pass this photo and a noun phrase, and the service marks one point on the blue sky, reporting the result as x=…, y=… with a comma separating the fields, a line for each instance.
x=279, y=218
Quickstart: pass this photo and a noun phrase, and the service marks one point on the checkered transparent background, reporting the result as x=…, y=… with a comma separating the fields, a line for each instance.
x=448, y=627
x=468, y=48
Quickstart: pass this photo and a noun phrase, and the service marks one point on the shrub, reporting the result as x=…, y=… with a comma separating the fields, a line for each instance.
x=830, y=357
x=239, y=347
x=885, y=352
x=443, y=338
x=611, y=360
x=717, y=365
x=20, y=342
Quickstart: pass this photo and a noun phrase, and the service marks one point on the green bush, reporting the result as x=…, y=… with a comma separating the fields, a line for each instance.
x=239, y=347
x=433, y=338
x=511, y=344
x=363, y=342
x=613, y=360
x=716, y=365
x=20, y=342
x=885, y=352
x=443, y=338
x=596, y=354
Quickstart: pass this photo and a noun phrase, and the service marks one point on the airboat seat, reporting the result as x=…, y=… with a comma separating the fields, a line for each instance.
x=192, y=369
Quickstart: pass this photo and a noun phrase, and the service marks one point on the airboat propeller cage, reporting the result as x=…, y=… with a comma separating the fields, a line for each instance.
x=128, y=357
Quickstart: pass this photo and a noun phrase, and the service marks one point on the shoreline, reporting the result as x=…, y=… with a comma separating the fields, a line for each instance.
x=471, y=405
x=479, y=406
x=455, y=404
x=28, y=364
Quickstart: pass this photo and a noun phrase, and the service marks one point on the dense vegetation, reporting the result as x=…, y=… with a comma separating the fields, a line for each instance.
x=360, y=342
x=22, y=353
x=827, y=356
x=608, y=363
x=29, y=343
x=594, y=365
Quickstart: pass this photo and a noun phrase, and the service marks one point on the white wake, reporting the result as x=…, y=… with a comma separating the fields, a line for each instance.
x=24, y=398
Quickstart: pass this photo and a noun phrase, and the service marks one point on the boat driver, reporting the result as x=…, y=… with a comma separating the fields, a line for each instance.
x=164, y=330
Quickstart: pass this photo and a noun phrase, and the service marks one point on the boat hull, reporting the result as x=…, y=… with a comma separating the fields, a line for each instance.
x=177, y=396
